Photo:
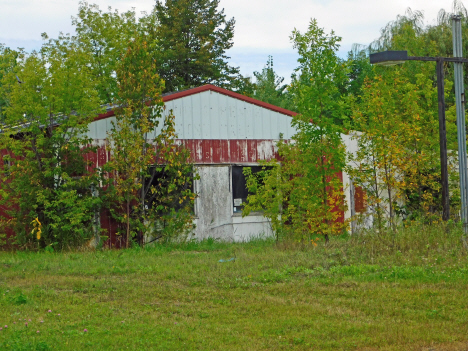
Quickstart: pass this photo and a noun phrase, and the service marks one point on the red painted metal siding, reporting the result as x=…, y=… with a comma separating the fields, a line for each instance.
x=208, y=151
x=3, y=212
x=359, y=200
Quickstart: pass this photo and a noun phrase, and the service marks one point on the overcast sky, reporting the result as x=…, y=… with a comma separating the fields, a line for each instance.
x=262, y=27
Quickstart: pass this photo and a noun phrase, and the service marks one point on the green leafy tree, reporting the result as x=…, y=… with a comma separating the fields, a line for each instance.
x=135, y=199
x=269, y=86
x=398, y=158
x=106, y=36
x=192, y=37
x=50, y=100
x=397, y=113
x=359, y=69
x=169, y=192
x=8, y=59
x=304, y=195
x=439, y=34
x=188, y=39
x=409, y=32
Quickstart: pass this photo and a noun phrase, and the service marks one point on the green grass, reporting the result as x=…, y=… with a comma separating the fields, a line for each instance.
x=370, y=292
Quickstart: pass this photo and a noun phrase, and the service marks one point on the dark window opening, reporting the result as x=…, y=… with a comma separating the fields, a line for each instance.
x=239, y=186
x=6, y=162
x=164, y=190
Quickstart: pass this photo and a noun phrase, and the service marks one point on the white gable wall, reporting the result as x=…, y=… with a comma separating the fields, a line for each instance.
x=211, y=115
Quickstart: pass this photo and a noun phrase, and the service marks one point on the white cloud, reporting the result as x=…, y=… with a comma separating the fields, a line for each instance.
x=268, y=24
x=25, y=20
x=262, y=26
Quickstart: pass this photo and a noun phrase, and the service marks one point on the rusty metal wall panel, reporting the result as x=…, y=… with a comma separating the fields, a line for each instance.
x=252, y=151
x=198, y=151
x=101, y=156
x=266, y=149
x=233, y=150
x=206, y=151
x=91, y=159
x=243, y=151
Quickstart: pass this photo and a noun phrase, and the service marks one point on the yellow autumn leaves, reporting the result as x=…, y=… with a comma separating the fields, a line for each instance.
x=37, y=228
x=397, y=161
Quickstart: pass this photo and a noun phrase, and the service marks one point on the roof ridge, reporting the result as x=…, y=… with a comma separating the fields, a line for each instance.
x=210, y=87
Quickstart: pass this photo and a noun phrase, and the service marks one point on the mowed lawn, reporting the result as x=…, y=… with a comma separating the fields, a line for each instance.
x=270, y=297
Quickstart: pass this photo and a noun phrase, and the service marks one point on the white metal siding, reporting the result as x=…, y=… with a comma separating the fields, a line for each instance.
x=211, y=115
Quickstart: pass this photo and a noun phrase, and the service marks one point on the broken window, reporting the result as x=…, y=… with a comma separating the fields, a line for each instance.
x=239, y=186
x=167, y=191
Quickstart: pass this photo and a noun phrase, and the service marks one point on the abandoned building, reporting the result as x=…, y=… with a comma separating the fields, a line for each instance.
x=225, y=132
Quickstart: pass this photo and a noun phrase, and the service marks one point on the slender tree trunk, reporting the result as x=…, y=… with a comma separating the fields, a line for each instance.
x=143, y=192
x=128, y=222
x=36, y=154
x=324, y=188
x=389, y=190
x=379, y=210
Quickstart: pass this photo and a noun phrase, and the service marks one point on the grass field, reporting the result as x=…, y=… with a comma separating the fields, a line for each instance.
x=408, y=292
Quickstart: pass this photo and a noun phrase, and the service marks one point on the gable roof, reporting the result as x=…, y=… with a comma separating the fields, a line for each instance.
x=209, y=87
